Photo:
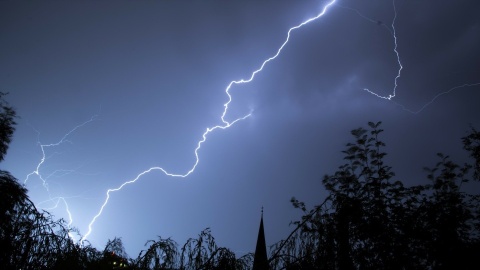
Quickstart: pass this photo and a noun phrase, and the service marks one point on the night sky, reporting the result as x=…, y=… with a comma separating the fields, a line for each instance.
x=152, y=77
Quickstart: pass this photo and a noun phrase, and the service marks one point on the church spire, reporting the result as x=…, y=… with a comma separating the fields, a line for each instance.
x=260, y=260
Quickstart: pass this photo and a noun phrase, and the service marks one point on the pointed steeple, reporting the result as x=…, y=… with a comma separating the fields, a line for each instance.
x=260, y=260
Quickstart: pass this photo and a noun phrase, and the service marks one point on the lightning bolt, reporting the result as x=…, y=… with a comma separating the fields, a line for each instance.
x=226, y=124
x=393, y=33
x=44, y=179
x=57, y=201
x=437, y=96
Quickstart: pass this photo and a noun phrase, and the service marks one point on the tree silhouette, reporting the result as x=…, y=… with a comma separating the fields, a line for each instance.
x=203, y=253
x=371, y=221
x=471, y=143
x=161, y=254
x=196, y=253
x=7, y=125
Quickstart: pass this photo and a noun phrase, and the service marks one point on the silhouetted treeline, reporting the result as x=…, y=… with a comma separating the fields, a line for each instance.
x=368, y=221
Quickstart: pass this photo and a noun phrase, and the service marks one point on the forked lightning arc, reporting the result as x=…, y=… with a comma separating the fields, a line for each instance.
x=224, y=123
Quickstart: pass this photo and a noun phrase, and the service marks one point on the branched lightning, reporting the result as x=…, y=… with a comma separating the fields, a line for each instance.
x=57, y=201
x=437, y=96
x=226, y=124
x=393, y=33
x=197, y=160
x=44, y=179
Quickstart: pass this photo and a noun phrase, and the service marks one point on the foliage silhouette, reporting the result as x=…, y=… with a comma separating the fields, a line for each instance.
x=7, y=125
x=370, y=221
x=196, y=253
x=471, y=143
x=161, y=254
